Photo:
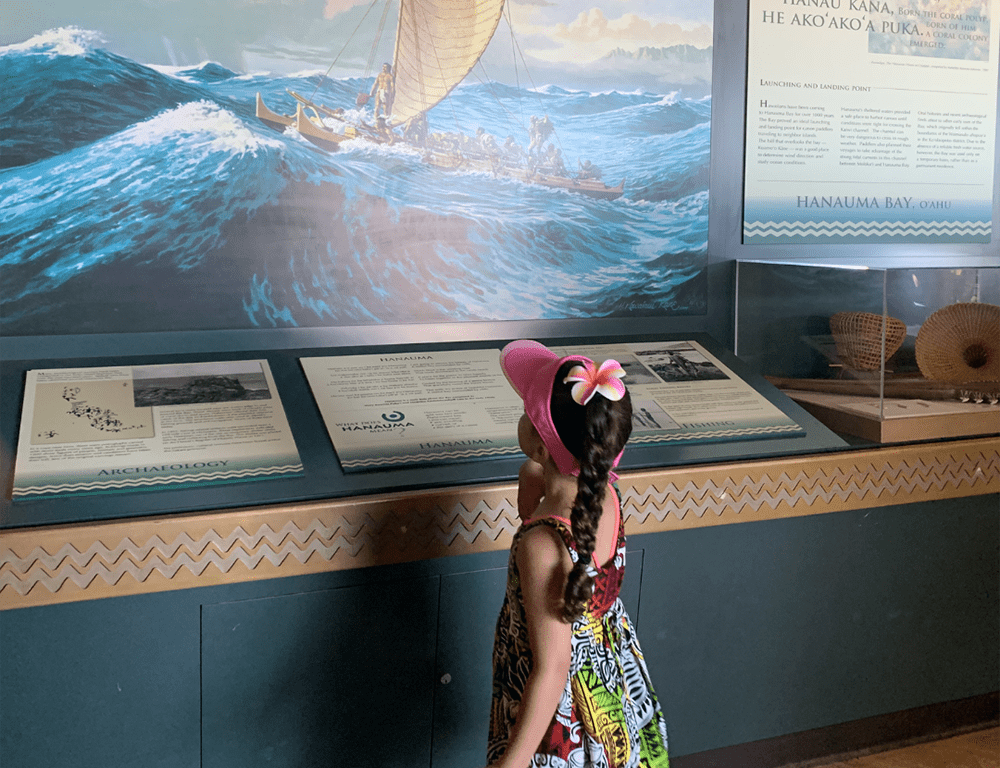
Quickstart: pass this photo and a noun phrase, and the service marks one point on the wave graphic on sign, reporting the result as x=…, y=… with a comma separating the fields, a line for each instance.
x=721, y=434
x=955, y=231
x=472, y=453
x=213, y=477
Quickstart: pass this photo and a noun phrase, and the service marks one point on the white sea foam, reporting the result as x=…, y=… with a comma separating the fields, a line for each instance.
x=305, y=74
x=223, y=129
x=669, y=99
x=173, y=69
x=64, y=41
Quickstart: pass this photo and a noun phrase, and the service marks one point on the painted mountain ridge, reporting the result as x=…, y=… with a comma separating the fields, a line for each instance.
x=673, y=54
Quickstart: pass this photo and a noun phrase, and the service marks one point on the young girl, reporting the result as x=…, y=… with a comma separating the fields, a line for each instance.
x=570, y=687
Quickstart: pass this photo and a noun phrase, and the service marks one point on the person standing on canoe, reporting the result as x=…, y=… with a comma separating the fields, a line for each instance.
x=539, y=131
x=384, y=90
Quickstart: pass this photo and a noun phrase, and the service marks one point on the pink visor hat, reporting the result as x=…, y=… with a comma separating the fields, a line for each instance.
x=531, y=369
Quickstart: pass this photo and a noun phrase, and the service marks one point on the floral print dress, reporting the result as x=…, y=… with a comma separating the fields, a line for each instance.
x=608, y=716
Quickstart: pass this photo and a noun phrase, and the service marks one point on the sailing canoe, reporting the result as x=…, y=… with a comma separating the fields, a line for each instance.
x=438, y=42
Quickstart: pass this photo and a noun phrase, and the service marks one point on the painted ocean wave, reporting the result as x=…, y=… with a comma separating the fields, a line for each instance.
x=62, y=92
x=161, y=181
x=169, y=181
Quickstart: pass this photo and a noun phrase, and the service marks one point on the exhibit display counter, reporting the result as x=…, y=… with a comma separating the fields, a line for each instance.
x=344, y=423
x=782, y=586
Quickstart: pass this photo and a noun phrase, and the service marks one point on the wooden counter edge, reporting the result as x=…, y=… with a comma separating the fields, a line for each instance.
x=67, y=563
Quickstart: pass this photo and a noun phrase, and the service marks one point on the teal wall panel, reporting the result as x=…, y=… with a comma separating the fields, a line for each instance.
x=100, y=684
x=335, y=677
x=764, y=629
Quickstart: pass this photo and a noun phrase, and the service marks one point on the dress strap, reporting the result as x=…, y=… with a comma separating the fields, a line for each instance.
x=615, y=539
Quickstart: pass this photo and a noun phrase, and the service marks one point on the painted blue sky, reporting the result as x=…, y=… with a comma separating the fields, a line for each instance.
x=295, y=35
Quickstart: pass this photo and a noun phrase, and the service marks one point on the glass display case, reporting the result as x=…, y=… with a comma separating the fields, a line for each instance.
x=885, y=354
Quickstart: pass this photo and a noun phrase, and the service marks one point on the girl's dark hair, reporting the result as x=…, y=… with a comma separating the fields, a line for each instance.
x=595, y=434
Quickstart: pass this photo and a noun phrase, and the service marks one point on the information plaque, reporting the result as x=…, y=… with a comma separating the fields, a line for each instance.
x=871, y=122
x=435, y=407
x=87, y=430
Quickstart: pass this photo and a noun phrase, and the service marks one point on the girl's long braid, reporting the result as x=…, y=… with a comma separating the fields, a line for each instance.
x=595, y=434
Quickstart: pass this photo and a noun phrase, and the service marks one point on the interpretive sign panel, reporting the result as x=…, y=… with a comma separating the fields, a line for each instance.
x=683, y=393
x=871, y=122
x=412, y=408
x=434, y=407
x=86, y=430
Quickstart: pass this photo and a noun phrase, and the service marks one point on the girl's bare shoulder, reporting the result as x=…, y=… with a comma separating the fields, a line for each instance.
x=542, y=543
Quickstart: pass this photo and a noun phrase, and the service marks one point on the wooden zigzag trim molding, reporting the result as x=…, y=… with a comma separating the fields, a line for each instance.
x=58, y=564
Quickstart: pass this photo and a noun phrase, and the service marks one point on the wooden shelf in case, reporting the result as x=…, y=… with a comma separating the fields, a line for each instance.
x=901, y=420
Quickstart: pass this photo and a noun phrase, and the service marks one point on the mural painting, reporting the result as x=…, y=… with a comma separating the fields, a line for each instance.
x=180, y=165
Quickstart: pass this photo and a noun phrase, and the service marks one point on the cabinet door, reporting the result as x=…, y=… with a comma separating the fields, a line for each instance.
x=335, y=677
x=470, y=603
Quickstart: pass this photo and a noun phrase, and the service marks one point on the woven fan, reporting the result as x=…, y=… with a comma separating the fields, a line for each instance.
x=960, y=342
x=858, y=336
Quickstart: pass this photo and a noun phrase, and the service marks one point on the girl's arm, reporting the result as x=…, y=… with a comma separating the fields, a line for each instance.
x=530, y=488
x=544, y=564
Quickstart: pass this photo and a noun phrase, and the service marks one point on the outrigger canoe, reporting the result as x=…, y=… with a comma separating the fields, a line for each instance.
x=310, y=129
x=273, y=119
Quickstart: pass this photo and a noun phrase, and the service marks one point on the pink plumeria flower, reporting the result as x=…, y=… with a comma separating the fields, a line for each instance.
x=589, y=379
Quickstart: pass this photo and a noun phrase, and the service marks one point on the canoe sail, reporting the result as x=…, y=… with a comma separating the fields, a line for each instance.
x=438, y=42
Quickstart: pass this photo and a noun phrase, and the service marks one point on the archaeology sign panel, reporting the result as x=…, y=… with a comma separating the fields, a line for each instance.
x=116, y=428
x=870, y=121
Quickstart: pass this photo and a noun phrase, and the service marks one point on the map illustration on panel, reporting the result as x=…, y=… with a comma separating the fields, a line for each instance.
x=76, y=411
x=259, y=164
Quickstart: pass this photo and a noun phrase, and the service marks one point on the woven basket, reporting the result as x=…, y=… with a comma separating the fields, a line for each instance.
x=960, y=343
x=858, y=336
